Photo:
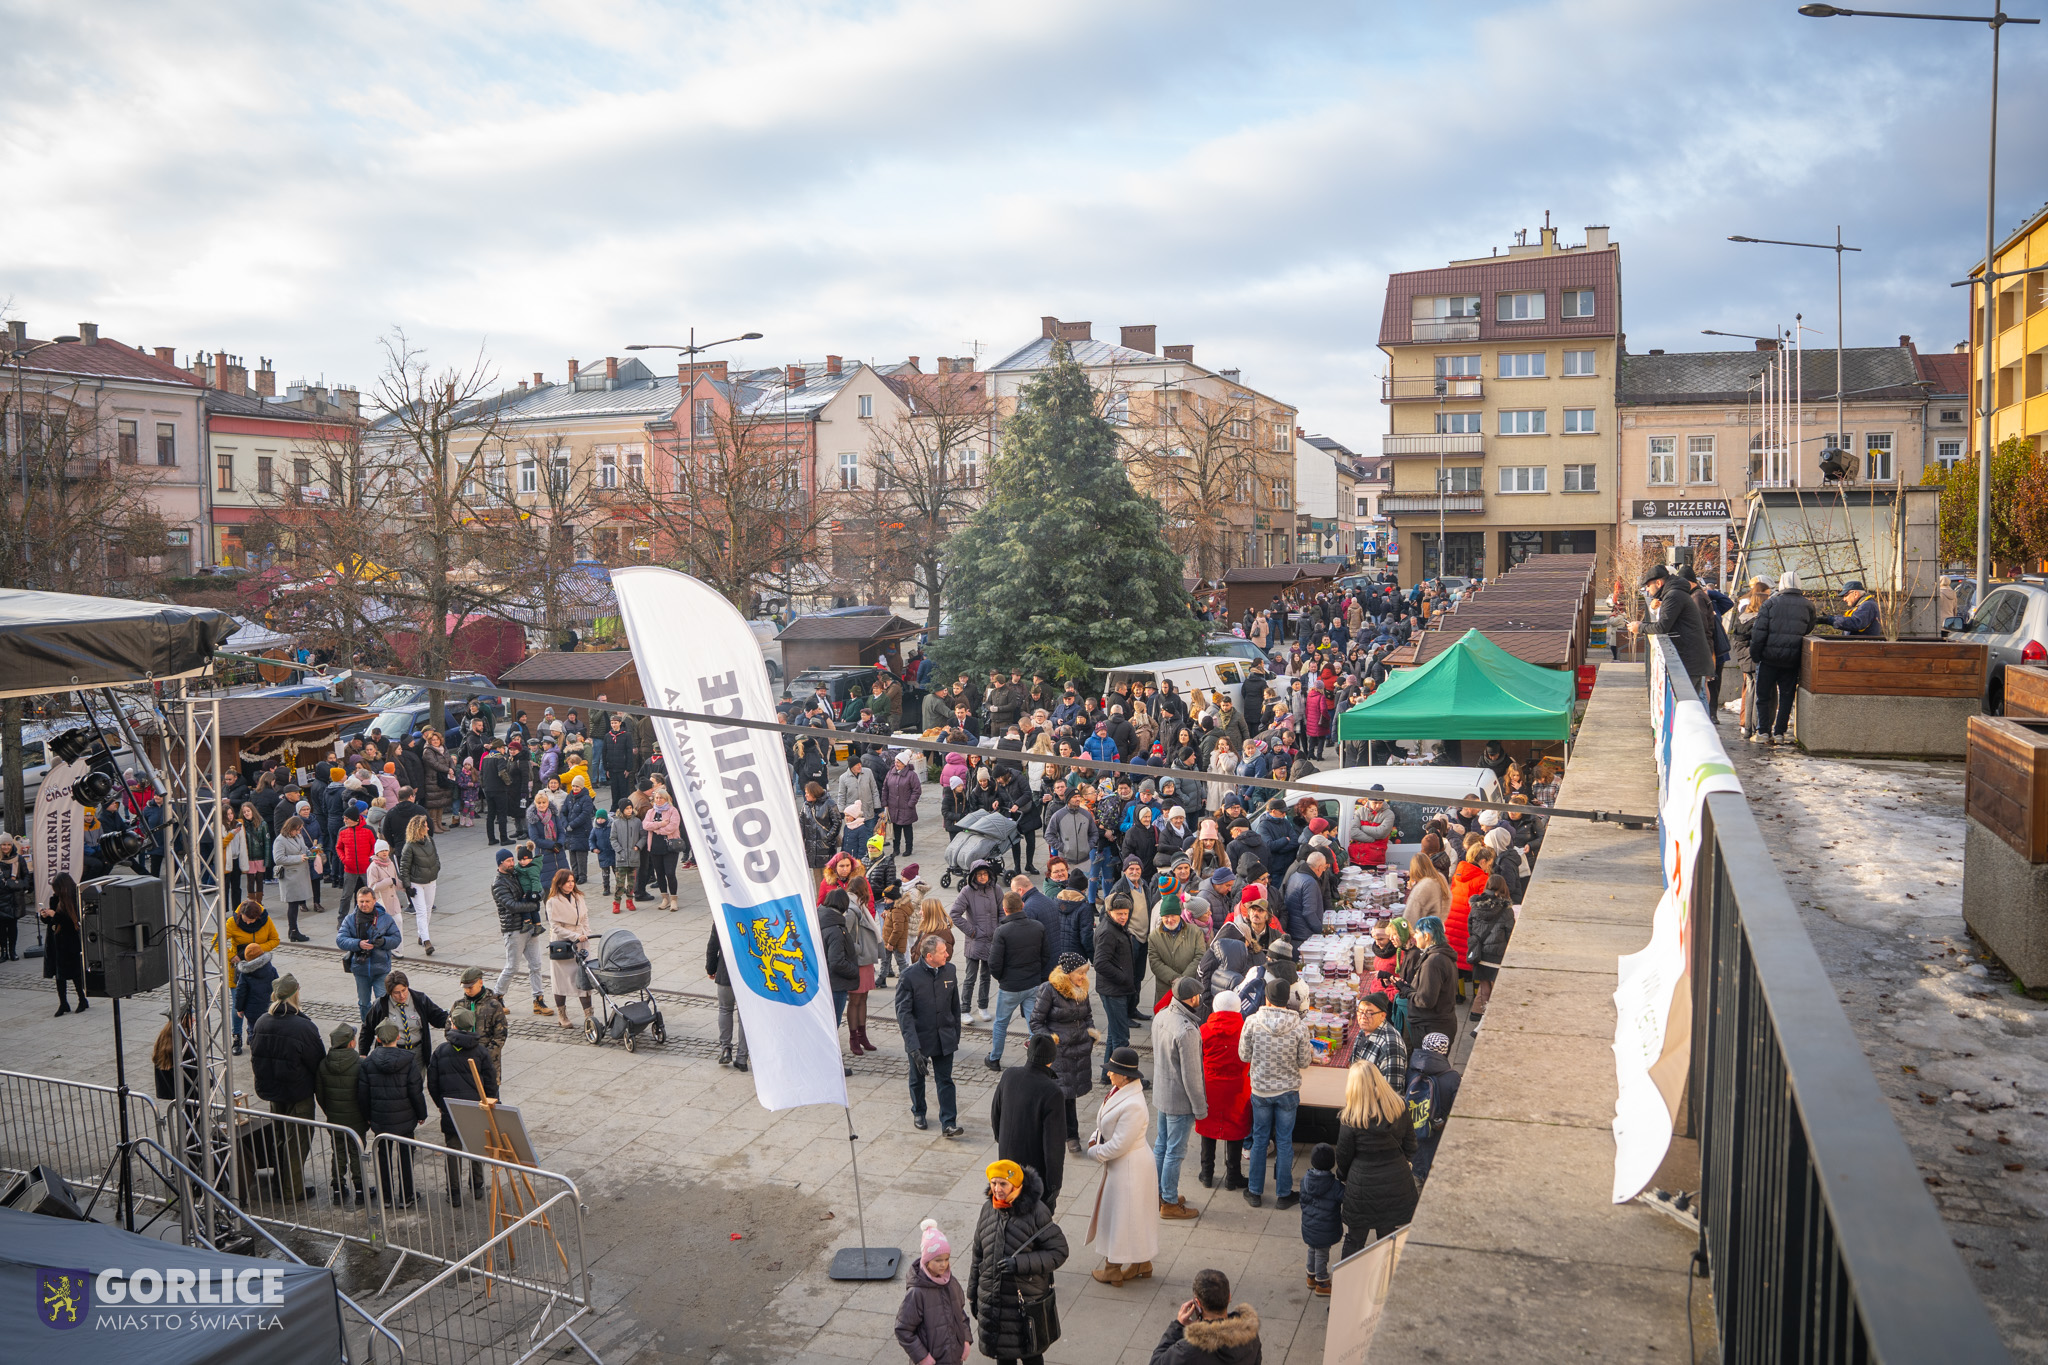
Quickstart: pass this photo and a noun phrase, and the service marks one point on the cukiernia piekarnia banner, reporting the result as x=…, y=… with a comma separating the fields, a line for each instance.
x=695, y=653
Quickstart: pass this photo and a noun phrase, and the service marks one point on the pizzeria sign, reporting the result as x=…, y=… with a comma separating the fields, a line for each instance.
x=1681, y=509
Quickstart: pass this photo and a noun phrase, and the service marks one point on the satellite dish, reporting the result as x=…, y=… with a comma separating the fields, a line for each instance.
x=1837, y=465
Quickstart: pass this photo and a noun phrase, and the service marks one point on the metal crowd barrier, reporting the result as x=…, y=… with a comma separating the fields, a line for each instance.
x=1820, y=1239
x=75, y=1129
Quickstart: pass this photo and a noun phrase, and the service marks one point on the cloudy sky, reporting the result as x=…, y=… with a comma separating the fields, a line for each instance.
x=537, y=181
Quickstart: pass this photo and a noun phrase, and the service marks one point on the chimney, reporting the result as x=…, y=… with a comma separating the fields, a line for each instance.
x=238, y=376
x=963, y=364
x=539, y=380
x=1655, y=351
x=832, y=365
x=167, y=354
x=1049, y=328
x=1185, y=354
x=1596, y=239
x=17, y=331
x=611, y=367
x=349, y=401
x=688, y=371
x=1145, y=338
x=572, y=371
x=89, y=333
x=1906, y=341
x=1961, y=348
x=793, y=376
x=266, y=378
x=1077, y=331
x=1234, y=376
x=1300, y=434
x=911, y=361
x=220, y=370
x=1767, y=345
x=522, y=386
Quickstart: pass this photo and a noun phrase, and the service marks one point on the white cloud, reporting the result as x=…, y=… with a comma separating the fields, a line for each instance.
x=552, y=180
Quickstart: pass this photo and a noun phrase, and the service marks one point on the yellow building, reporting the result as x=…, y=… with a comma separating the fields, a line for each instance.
x=1500, y=392
x=2020, y=348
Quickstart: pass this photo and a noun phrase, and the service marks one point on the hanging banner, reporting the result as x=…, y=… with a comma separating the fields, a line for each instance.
x=1653, y=1002
x=57, y=833
x=695, y=653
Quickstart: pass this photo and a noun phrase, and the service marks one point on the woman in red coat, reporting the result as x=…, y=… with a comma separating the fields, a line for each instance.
x=1468, y=879
x=1228, y=1083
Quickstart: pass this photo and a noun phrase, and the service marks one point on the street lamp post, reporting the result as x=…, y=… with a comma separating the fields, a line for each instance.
x=692, y=350
x=1996, y=20
x=1841, y=382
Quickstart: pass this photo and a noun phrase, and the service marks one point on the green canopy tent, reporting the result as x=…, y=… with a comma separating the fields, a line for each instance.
x=1473, y=690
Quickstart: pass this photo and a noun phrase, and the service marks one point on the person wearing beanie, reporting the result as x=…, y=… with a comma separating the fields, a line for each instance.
x=450, y=1077
x=1322, y=1214
x=491, y=1022
x=1028, y=1114
x=932, y=1324
x=1017, y=1247
x=519, y=926
x=1077, y=921
x=1226, y=1088
x=1172, y=949
x=1431, y=1091
x=393, y=1099
x=1125, y=1228
x=335, y=1089
x=284, y=1057
x=1065, y=1011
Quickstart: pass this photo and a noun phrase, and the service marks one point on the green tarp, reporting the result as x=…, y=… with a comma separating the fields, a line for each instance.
x=1473, y=690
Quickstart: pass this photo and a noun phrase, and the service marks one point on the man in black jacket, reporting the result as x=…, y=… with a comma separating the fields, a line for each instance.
x=621, y=759
x=392, y=1100
x=285, y=1053
x=494, y=783
x=449, y=1078
x=1776, y=637
x=1673, y=612
x=842, y=965
x=519, y=923
x=1029, y=1115
x=928, y=1016
x=1019, y=964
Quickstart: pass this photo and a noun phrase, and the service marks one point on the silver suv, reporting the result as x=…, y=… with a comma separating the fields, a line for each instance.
x=2012, y=624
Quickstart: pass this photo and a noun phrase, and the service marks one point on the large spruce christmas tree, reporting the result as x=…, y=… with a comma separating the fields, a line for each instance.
x=1065, y=562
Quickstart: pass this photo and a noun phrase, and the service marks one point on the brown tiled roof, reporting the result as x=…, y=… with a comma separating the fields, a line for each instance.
x=1595, y=270
x=1950, y=373
x=1268, y=573
x=870, y=626
x=244, y=716
x=105, y=358
x=1546, y=648
x=562, y=665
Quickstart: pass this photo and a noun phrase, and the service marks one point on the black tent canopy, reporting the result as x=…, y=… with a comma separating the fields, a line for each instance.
x=58, y=642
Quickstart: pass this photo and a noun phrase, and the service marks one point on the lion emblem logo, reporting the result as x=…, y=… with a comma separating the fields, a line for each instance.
x=772, y=950
x=62, y=1296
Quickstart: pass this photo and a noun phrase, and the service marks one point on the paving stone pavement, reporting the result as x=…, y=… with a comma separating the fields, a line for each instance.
x=673, y=1154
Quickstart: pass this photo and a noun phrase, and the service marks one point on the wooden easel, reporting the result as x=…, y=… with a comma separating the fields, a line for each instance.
x=507, y=1205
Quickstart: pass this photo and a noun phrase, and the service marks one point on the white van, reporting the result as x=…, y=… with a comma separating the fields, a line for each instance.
x=1446, y=788
x=1212, y=673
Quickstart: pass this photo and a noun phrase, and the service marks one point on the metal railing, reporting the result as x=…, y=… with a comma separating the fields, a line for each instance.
x=74, y=1129
x=1434, y=444
x=1443, y=329
x=1820, y=1238
x=1428, y=502
x=1430, y=388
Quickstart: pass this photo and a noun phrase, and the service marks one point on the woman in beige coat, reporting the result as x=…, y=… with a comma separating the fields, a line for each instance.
x=568, y=918
x=1125, y=1224
x=1429, y=892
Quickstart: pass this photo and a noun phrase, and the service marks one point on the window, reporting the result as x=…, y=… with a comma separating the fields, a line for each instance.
x=166, y=444
x=1846, y=441
x=1457, y=423
x=558, y=471
x=1951, y=414
x=1948, y=454
x=1663, y=459
x=1457, y=366
x=1283, y=435
x=494, y=479
x=1456, y=306
x=1165, y=408
x=1579, y=478
x=636, y=465
x=1521, y=365
x=128, y=440
x=970, y=466
x=529, y=473
x=1283, y=494
x=867, y=405
x=607, y=466
x=1362, y=509
x=1579, y=362
x=224, y=471
x=1877, y=457
x=1578, y=303
x=1699, y=459
x=265, y=479
x=1578, y=421
x=1240, y=430
x=1116, y=407
x=1461, y=480
x=849, y=470
x=1525, y=478
x=1523, y=421
x=302, y=473
x=1520, y=307
x=700, y=417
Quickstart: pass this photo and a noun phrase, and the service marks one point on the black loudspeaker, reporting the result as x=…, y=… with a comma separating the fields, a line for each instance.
x=126, y=932
x=42, y=1190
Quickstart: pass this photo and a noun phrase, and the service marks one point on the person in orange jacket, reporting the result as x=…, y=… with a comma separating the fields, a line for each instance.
x=1468, y=879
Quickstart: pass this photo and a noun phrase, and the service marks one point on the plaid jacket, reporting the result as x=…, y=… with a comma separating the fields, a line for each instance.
x=1384, y=1048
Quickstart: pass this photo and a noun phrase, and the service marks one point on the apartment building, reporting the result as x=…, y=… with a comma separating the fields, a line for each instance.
x=263, y=446
x=1218, y=454
x=1500, y=397
x=2020, y=347
x=1360, y=482
x=135, y=409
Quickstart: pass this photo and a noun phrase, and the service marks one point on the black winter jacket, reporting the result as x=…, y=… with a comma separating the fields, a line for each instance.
x=285, y=1053
x=1379, y=1185
x=516, y=910
x=1433, y=1007
x=1069, y=1019
x=928, y=1009
x=336, y=1087
x=1491, y=924
x=1029, y=1116
x=1676, y=614
x=1025, y=1234
x=1785, y=619
x=1117, y=954
x=840, y=963
x=448, y=1074
x=431, y=1015
x=1017, y=956
x=389, y=1093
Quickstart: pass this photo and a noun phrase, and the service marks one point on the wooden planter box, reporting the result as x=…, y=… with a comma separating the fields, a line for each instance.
x=2005, y=786
x=2026, y=690
x=2005, y=842
x=1834, y=666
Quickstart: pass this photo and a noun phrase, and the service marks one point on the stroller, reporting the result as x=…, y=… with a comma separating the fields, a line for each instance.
x=984, y=836
x=621, y=969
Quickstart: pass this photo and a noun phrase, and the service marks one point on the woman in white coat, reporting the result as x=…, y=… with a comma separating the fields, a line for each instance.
x=1125, y=1225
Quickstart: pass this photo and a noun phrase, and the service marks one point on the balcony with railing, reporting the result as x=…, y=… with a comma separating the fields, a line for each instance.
x=1433, y=445
x=1444, y=329
x=1394, y=504
x=1430, y=388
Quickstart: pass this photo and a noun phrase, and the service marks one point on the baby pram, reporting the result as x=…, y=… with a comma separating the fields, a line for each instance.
x=984, y=836
x=621, y=970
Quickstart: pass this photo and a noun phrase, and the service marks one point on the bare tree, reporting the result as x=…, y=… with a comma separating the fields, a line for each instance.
x=1198, y=457
x=541, y=520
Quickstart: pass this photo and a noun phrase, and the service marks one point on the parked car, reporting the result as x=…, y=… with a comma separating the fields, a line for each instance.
x=402, y=708
x=771, y=648
x=837, y=682
x=2012, y=625
x=1237, y=647
x=1210, y=672
x=1448, y=784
